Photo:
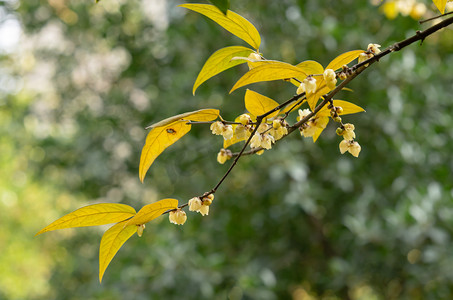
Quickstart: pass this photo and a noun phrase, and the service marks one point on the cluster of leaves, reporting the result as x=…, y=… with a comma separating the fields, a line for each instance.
x=266, y=116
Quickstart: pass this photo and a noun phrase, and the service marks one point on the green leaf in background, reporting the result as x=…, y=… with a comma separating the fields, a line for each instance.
x=223, y=5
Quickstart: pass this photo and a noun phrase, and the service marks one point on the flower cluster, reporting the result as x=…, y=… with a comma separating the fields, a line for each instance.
x=348, y=144
x=219, y=128
x=201, y=205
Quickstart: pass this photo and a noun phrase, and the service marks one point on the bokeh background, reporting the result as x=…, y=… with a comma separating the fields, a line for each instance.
x=79, y=81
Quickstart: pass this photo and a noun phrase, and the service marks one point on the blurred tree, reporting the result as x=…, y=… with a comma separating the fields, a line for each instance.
x=299, y=222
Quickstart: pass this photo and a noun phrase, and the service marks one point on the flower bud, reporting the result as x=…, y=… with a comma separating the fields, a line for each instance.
x=337, y=119
x=339, y=131
x=342, y=76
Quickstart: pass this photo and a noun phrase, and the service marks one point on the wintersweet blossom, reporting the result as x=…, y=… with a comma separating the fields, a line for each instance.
x=267, y=141
x=301, y=88
x=374, y=48
x=195, y=204
x=218, y=128
x=279, y=129
x=331, y=78
x=255, y=142
x=242, y=132
x=348, y=133
x=350, y=146
x=244, y=119
x=310, y=85
x=223, y=156
x=177, y=216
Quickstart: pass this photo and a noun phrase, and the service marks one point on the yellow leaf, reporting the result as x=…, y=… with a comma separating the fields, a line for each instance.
x=232, y=22
x=348, y=108
x=272, y=70
x=440, y=4
x=309, y=67
x=92, y=215
x=317, y=134
x=219, y=62
x=151, y=211
x=158, y=140
x=208, y=114
x=165, y=133
x=111, y=242
x=258, y=104
x=344, y=59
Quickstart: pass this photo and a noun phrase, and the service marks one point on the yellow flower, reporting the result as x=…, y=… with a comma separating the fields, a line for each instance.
x=301, y=88
x=218, y=128
x=364, y=56
x=267, y=141
x=244, y=119
x=348, y=133
x=255, y=142
x=195, y=204
x=204, y=210
x=223, y=156
x=331, y=78
x=253, y=57
x=374, y=48
x=278, y=129
x=351, y=146
x=242, y=132
x=177, y=217
x=303, y=114
x=310, y=85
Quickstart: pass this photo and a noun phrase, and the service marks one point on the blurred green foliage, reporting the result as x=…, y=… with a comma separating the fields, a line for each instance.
x=298, y=222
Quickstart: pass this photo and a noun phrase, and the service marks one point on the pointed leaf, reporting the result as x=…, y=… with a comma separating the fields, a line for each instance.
x=344, y=59
x=232, y=22
x=165, y=133
x=92, y=215
x=158, y=140
x=151, y=211
x=440, y=4
x=207, y=114
x=223, y=5
x=348, y=108
x=219, y=62
x=269, y=71
x=111, y=242
x=258, y=104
